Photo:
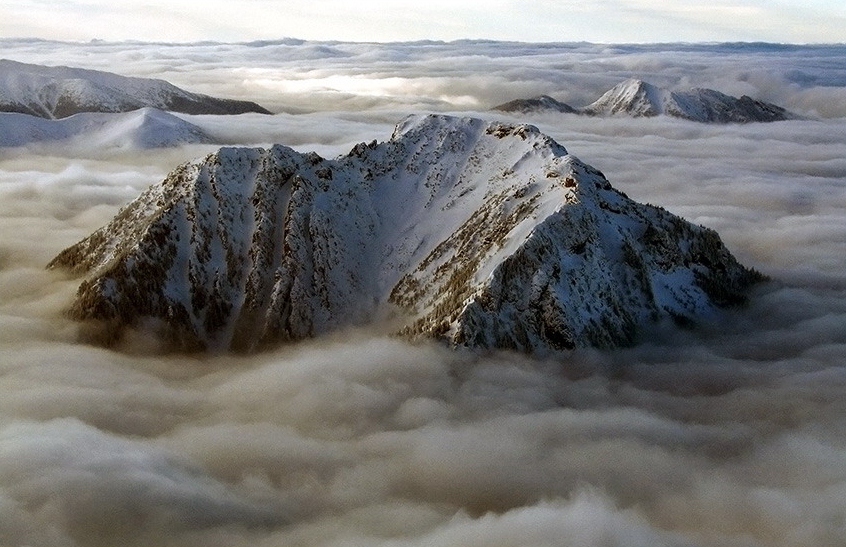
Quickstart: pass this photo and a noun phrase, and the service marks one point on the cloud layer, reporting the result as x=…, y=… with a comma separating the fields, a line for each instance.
x=296, y=76
x=730, y=434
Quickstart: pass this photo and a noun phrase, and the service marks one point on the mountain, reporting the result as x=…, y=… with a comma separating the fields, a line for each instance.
x=641, y=99
x=483, y=234
x=535, y=104
x=58, y=92
x=143, y=128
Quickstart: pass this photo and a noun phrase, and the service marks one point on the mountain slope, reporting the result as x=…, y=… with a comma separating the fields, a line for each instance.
x=640, y=99
x=637, y=98
x=58, y=92
x=484, y=234
x=143, y=128
x=535, y=104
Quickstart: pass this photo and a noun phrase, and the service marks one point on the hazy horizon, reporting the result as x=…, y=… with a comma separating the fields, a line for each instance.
x=619, y=21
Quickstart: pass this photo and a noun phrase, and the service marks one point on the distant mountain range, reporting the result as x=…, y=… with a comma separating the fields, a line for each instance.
x=641, y=99
x=481, y=234
x=58, y=92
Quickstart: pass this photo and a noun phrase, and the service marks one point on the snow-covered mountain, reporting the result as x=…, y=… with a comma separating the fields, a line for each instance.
x=143, y=128
x=535, y=104
x=641, y=99
x=638, y=98
x=58, y=92
x=483, y=234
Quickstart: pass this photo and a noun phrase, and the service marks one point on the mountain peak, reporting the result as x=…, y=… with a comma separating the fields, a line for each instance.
x=482, y=234
x=638, y=98
x=540, y=103
x=635, y=97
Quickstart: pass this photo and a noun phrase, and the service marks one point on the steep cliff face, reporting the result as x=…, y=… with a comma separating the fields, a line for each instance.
x=483, y=234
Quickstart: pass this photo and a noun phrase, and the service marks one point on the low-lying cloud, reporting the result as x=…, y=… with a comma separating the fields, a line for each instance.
x=295, y=76
x=728, y=434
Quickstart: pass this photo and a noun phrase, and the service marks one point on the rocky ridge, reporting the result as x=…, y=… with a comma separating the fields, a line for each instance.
x=482, y=234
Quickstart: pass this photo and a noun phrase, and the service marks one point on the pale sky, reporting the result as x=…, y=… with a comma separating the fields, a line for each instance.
x=609, y=21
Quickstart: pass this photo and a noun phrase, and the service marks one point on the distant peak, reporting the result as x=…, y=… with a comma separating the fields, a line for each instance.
x=540, y=103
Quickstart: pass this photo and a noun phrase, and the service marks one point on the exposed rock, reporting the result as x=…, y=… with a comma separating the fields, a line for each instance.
x=482, y=234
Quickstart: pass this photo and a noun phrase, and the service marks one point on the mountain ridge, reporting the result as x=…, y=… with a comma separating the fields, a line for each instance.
x=637, y=98
x=482, y=234
x=59, y=92
x=144, y=128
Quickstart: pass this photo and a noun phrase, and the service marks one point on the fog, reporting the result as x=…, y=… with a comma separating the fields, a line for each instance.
x=729, y=434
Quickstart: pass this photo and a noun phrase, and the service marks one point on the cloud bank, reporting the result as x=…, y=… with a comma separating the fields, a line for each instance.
x=297, y=76
x=731, y=434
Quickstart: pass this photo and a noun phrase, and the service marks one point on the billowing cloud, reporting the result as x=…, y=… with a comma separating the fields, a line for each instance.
x=727, y=434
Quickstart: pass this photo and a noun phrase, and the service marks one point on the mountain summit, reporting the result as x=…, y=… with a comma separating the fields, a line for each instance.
x=543, y=102
x=637, y=98
x=483, y=234
x=58, y=92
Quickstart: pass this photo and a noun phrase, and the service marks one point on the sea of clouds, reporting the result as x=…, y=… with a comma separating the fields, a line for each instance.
x=731, y=434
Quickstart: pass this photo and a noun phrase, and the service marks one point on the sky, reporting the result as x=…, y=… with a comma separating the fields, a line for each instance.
x=613, y=21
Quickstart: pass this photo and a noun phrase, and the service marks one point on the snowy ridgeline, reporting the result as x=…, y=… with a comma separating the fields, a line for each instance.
x=641, y=99
x=481, y=234
x=144, y=128
x=58, y=92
